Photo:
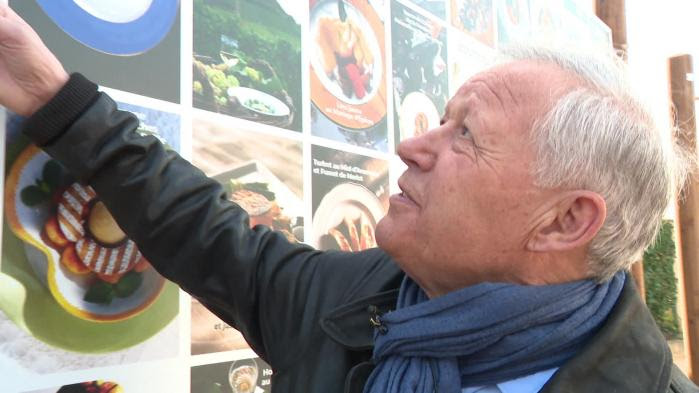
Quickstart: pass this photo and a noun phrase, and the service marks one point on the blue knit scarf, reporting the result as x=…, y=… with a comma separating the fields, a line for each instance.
x=485, y=334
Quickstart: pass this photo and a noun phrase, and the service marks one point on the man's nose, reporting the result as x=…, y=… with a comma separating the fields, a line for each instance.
x=421, y=151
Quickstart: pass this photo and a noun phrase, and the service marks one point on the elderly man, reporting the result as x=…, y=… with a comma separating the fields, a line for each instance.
x=502, y=261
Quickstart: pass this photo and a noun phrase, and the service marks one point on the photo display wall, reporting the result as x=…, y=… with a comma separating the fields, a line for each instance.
x=296, y=108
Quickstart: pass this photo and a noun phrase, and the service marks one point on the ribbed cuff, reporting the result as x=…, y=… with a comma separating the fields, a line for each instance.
x=54, y=118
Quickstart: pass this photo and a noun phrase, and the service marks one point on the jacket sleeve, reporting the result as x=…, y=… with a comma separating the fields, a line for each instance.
x=272, y=290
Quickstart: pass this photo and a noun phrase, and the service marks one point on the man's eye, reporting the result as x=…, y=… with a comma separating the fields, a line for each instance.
x=465, y=131
x=441, y=122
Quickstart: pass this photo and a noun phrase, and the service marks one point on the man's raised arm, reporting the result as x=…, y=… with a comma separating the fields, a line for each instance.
x=182, y=221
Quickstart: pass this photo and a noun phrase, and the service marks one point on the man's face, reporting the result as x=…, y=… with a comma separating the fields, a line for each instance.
x=468, y=203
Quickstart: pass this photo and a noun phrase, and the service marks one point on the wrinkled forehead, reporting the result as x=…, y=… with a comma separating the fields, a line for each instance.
x=529, y=87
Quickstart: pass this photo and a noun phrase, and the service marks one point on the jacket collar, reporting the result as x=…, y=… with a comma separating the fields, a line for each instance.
x=627, y=355
x=350, y=324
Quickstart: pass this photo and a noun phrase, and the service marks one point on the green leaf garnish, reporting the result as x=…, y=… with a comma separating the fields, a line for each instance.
x=100, y=292
x=33, y=195
x=128, y=284
x=52, y=174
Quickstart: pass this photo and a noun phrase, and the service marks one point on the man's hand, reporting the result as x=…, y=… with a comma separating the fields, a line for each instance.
x=30, y=75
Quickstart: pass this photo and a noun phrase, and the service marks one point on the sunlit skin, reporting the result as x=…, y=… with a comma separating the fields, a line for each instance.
x=469, y=211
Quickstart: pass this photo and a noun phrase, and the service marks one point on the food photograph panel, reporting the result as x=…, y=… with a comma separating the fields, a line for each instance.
x=75, y=291
x=263, y=174
x=350, y=195
x=347, y=53
x=210, y=334
x=247, y=60
x=420, y=81
x=146, y=379
x=514, y=23
x=239, y=376
x=437, y=8
x=132, y=46
x=547, y=24
x=86, y=387
x=474, y=17
x=467, y=56
x=583, y=28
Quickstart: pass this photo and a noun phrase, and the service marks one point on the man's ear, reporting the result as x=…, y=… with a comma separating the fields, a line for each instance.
x=571, y=223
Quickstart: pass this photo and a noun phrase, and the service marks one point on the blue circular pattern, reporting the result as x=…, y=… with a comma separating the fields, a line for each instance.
x=130, y=38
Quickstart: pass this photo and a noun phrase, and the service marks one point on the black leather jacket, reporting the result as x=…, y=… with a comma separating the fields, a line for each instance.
x=304, y=311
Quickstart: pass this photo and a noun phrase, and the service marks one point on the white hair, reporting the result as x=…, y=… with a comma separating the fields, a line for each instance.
x=601, y=138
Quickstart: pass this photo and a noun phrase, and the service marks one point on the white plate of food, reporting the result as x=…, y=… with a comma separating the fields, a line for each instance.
x=417, y=115
x=74, y=245
x=345, y=56
x=259, y=102
x=346, y=218
x=266, y=199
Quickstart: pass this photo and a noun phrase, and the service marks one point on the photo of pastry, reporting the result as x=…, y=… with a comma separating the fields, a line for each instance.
x=71, y=275
x=132, y=46
x=347, y=60
x=261, y=173
x=420, y=81
x=348, y=77
x=350, y=196
x=239, y=376
x=247, y=60
x=474, y=17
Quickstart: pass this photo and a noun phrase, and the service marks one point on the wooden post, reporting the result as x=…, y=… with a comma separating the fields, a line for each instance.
x=613, y=14
x=682, y=94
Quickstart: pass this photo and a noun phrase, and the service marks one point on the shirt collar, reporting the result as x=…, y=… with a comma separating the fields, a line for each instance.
x=531, y=383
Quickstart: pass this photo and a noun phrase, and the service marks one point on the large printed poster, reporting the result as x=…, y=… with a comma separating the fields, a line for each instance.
x=514, y=21
x=420, y=83
x=437, y=8
x=347, y=55
x=239, y=376
x=295, y=107
x=132, y=46
x=247, y=60
x=76, y=291
x=350, y=195
x=262, y=173
x=475, y=18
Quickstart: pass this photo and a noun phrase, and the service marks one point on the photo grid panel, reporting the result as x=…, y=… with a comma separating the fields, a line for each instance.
x=420, y=74
x=348, y=82
x=350, y=196
x=260, y=172
x=286, y=105
x=76, y=291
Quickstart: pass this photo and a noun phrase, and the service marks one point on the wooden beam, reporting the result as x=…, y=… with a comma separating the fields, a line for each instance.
x=613, y=14
x=682, y=95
